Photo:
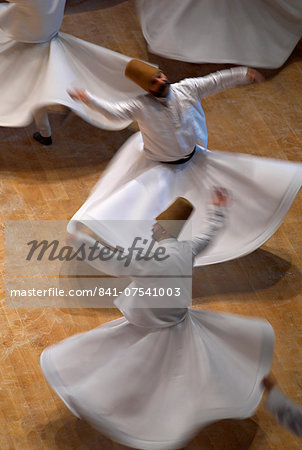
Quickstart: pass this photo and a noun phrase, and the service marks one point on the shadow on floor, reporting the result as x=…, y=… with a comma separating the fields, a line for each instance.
x=226, y=434
x=257, y=271
x=79, y=6
x=76, y=144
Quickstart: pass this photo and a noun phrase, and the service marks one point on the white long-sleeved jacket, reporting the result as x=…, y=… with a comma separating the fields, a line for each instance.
x=172, y=126
x=174, y=273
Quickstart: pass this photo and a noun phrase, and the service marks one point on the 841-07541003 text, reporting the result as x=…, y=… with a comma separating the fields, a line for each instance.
x=140, y=292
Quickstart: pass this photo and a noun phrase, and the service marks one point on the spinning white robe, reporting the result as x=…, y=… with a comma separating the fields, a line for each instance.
x=137, y=187
x=258, y=33
x=38, y=65
x=151, y=380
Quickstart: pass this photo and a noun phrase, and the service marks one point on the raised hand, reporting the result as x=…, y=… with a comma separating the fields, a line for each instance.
x=254, y=76
x=79, y=95
x=220, y=197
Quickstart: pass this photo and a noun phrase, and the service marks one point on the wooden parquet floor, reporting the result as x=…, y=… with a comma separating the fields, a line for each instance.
x=52, y=183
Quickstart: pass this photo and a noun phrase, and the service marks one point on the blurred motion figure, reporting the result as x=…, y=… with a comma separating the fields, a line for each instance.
x=153, y=378
x=38, y=64
x=168, y=158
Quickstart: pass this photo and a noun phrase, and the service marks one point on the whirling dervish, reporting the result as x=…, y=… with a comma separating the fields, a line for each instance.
x=39, y=63
x=153, y=378
x=169, y=158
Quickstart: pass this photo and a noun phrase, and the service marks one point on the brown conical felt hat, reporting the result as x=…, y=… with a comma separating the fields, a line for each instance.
x=141, y=73
x=175, y=216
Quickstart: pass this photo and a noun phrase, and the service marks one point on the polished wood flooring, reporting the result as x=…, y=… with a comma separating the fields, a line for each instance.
x=52, y=183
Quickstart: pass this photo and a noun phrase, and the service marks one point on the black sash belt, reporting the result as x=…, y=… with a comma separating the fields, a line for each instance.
x=182, y=160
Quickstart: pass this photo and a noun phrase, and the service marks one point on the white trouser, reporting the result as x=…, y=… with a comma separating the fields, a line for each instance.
x=42, y=122
x=286, y=412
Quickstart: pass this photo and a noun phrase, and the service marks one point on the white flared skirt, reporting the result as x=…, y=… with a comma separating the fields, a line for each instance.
x=134, y=188
x=259, y=33
x=39, y=74
x=155, y=388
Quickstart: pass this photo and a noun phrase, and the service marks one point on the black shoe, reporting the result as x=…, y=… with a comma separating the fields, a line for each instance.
x=43, y=140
